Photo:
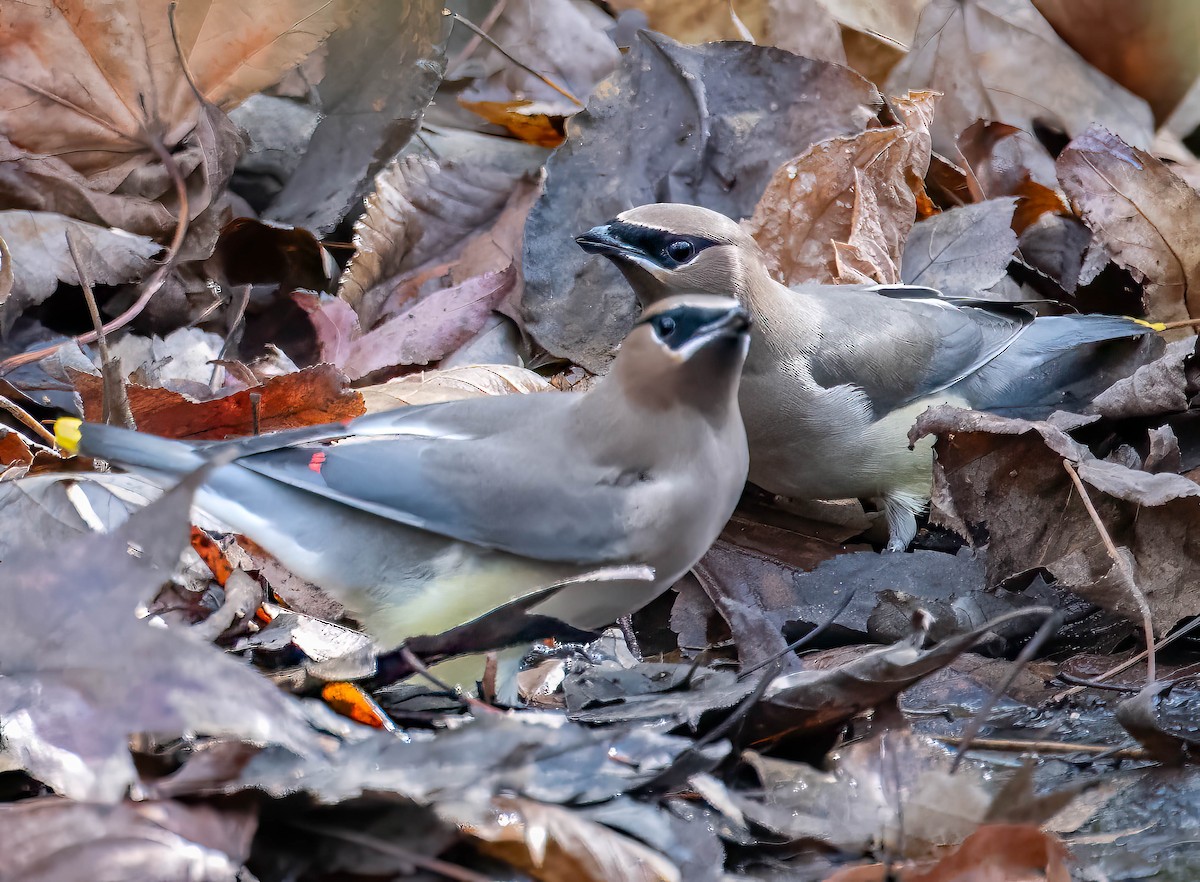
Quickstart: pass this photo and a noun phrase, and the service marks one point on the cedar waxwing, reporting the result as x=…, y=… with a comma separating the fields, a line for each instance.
x=424, y=518
x=838, y=374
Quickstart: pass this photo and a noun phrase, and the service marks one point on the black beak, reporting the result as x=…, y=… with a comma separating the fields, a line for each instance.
x=732, y=323
x=600, y=240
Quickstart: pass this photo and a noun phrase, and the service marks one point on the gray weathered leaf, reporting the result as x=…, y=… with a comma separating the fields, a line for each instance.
x=701, y=124
x=961, y=252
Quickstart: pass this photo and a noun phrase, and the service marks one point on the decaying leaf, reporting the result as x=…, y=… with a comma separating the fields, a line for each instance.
x=551, y=843
x=1165, y=718
x=805, y=27
x=82, y=673
x=306, y=398
x=383, y=69
x=1147, y=46
x=424, y=332
x=707, y=125
x=993, y=60
x=1146, y=217
x=54, y=838
x=457, y=216
x=37, y=256
x=994, y=853
x=961, y=252
x=1001, y=480
x=452, y=384
x=809, y=701
x=856, y=190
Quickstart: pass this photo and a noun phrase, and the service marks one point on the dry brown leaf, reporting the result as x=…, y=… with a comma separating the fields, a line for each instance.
x=1147, y=218
x=309, y=397
x=452, y=384
x=447, y=220
x=895, y=21
x=553, y=843
x=858, y=190
x=13, y=449
x=994, y=853
x=994, y=60
x=74, y=77
x=1149, y=47
x=6, y=271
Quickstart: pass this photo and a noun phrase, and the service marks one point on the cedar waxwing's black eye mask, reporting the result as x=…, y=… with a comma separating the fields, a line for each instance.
x=668, y=250
x=680, y=325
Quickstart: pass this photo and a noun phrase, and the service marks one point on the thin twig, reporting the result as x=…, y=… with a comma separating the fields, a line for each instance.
x=1171, y=326
x=114, y=404
x=525, y=67
x=1092, y=684
x=150, y=287
x=1015, y=745
x=419, y=667
x=1133, y=660
x=433, y=865
x=473, y=44
x=1049, y=626
x=806, y=639
x=27, y=420
x=1122, y=565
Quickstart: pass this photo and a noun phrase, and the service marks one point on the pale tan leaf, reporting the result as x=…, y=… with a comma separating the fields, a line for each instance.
x=452, y=384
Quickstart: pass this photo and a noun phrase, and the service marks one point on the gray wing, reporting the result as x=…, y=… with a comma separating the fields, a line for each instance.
x=479, y=470
x=906, y=344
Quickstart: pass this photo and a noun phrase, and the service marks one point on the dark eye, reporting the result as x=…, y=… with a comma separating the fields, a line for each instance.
x=664, y=324
x=680, y=250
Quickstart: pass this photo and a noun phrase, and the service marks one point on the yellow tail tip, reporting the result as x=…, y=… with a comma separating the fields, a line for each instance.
x=66, y=433
x=1154, y=326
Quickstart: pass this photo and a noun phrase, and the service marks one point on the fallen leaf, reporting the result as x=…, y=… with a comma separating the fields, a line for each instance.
x=1146, y=218
x=309, y=397
x=1165, y=718
x=551, y=843
x=993, y=853
x=451, y=384
x=809, y=701
x=1147, y=47
x=993, y=59
x=426, y=331
x=856, y=190
x=38, y=260
x=383, y=68
x=6, y=271
x=706, y=125
x=895, y=21
x=83, y=674
x=961, y=252
x=13, y=449
x=53, y=838
x=532, y=122
x=460, y=216
x=804, y=27
x=1165, y=385
x=1000, y=480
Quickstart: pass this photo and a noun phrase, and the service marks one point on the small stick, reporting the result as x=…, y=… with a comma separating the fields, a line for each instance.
x=27, y=420
x=433, y=865
x=467, y=701
x=255, y=401
x=114, y=404
x=806, y=639
x=1133, y=660
x=1122, y=565
x=473, y=44
x=1049, y=626
x=1092, y=684
x=525, y=67
x=1018, y=746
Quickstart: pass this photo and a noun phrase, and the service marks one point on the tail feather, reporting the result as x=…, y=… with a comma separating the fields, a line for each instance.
x=1061, y=362
x=129, y=448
